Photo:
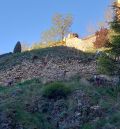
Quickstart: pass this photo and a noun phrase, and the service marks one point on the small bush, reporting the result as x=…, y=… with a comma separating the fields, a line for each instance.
x=106, y=65
x=87, y=126
x=56, y=91
x=17, y=48
x=115, y=118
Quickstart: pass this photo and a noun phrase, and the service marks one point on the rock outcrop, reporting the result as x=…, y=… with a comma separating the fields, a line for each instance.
x=52, y=70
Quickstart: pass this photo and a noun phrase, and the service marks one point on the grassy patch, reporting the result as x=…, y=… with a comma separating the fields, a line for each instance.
x=56, y=90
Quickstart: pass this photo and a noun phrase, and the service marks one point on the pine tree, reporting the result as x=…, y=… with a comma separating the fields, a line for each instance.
x=115, y=31
x=17, y=48
x=110, y=62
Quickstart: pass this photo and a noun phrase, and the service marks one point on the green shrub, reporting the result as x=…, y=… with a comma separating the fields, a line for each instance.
x=88, y=126
x=17, y=48
x=106, y=65
x=56, y=91
x=115, y=118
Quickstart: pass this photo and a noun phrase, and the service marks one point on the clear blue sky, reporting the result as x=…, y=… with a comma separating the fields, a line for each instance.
x=24, y=20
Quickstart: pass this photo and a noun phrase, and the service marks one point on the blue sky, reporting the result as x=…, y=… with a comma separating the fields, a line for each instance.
x=25, y=20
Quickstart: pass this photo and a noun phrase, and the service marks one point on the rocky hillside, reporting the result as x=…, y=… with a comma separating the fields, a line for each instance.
x=53, y=88
x=50, y=64
x=62, y=105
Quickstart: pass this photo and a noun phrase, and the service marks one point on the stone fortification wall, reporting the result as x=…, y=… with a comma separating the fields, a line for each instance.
x=81, y=44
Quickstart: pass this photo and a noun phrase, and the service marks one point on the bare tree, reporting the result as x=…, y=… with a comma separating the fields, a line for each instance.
x=108, y=15
x=102, y=24
x=91, y=28
x=25, y=47
x=61, y=25
x=49, y=35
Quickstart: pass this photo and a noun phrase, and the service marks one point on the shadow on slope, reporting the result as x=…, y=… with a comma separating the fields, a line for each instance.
x=9, y=60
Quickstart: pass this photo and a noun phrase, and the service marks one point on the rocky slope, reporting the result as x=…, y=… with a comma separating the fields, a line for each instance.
x=55, y=69
x=49, y=68
x=86, y=107
x=28, y=80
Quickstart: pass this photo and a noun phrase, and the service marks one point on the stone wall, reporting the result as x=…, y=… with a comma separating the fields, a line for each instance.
x=81, y=44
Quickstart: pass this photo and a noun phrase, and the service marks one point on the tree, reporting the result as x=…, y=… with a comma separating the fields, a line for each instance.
x=114, y=51
x=49, y=35
x=106, y=65
x=62, y=24
x=115, y=31
x=102, y=39
x=91, y=28
x=108, y=15
x=17, y=48
x=60, y=28
x=25, y=47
